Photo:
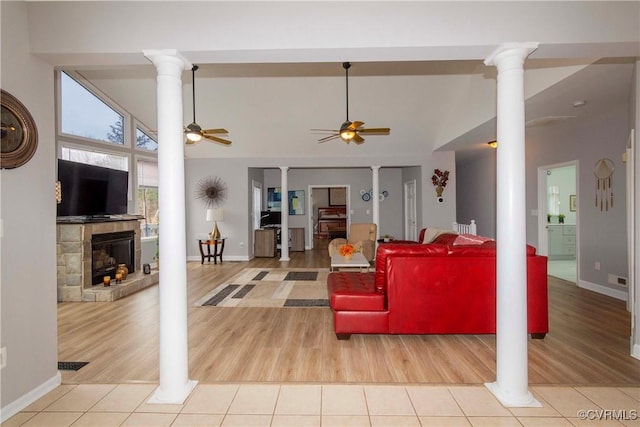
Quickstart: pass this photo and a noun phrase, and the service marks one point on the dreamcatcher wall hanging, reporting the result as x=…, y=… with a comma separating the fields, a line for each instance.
x=603, y=171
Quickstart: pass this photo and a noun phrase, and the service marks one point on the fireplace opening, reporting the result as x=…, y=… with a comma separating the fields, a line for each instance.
x=108, y=250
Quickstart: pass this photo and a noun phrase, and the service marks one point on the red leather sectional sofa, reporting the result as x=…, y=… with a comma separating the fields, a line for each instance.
x=434, y=288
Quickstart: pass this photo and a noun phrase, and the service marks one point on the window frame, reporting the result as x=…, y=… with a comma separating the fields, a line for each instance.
x=129, y=149
x=93, y=90
x=136, y=159
x=137, y=124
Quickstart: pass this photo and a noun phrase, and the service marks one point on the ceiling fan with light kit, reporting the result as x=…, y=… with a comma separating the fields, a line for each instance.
x=193, y=131
x=350, y=131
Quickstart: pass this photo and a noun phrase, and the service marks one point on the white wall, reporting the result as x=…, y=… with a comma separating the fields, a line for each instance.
x=358, y=179
x=477, y=193
x=238, y=173
x=28, y=255
x=602, y=233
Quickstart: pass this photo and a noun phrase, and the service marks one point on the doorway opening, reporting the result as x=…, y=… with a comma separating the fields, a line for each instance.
x=326, y=196
x=558, y=218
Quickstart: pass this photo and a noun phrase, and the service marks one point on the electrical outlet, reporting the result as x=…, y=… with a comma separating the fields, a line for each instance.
x=3, y=357
x=242, y=244
x=617, y=280
x=597, y=265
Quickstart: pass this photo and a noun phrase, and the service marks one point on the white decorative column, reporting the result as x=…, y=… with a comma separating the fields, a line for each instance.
x=511, y=385
x=175, y=385
x=375, y=197
x=284, y=230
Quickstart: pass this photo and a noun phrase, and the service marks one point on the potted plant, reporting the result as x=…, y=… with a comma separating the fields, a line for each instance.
x=386, y=238
x=561, y=218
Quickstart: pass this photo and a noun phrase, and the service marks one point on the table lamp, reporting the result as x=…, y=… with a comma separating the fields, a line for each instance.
x=215, y=215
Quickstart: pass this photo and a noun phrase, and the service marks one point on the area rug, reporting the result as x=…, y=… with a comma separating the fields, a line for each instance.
x=271, y=287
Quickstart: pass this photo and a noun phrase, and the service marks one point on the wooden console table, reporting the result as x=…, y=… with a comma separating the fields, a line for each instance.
x=216, y=254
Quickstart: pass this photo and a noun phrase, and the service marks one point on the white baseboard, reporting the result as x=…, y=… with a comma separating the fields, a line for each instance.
x=604, y=290
x=25, y=400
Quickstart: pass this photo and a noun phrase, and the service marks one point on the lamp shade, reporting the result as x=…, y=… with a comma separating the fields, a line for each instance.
x=216, y=214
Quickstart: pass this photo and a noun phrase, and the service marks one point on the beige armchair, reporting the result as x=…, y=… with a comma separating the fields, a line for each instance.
x=362, y=236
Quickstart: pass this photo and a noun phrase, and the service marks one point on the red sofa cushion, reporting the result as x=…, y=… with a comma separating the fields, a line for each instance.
x=386, y=250
x=354, y=292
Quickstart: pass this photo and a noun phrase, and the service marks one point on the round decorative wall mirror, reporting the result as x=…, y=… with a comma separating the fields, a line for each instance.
x=18, y=131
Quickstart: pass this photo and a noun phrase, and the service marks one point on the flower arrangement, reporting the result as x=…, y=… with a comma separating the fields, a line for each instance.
x=440, y=178
x=347, y=250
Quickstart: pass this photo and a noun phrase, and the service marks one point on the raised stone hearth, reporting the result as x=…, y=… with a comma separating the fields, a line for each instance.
x=134, y=283
x=74, y=255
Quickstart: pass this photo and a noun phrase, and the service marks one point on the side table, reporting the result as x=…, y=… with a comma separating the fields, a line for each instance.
x=216, y=254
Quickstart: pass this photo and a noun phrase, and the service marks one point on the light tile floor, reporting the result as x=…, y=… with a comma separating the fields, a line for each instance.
x=327, y=405
x=563, y=269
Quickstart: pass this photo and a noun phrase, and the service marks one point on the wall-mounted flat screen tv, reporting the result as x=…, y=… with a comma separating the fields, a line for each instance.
x=89, y=190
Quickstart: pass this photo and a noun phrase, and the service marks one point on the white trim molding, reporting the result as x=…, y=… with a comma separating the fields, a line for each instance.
x=27, y=399
x=604, y=290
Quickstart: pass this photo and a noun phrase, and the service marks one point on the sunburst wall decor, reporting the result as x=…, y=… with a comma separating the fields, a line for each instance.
x=212, y=190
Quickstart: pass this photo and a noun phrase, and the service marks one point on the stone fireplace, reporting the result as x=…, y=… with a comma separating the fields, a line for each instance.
x=118, y=242
x=108, y=250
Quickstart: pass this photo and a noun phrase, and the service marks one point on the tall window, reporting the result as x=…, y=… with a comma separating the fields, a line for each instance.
x=148, y=197
x=93, y=129
x=85, y=115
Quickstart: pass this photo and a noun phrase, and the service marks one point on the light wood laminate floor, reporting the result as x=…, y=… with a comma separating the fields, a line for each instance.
x=588, y=343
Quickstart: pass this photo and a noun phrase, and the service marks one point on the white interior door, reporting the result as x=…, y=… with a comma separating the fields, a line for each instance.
x=410, y=214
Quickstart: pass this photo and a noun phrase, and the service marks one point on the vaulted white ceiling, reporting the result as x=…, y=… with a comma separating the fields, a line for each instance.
x=271, y=71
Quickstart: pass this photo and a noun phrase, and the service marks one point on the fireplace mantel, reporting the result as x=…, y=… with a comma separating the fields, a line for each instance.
x=74, y=261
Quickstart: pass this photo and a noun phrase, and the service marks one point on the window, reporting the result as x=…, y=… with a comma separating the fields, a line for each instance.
x=144, y=141
x=95, y=130
x=148, y=197
x=85, y=115
x=107, y=160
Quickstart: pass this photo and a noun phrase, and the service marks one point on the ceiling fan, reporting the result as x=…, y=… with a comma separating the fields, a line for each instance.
x=350, y=131
x=194, y=132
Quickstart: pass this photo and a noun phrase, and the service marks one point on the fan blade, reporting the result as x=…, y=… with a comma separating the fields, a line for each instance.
x=355, y=125
x=215, y=131
x=325, y=130
x=216, y=139
x=189, y=142
x=358, y=139
x=375, y=130
x=327, y=138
